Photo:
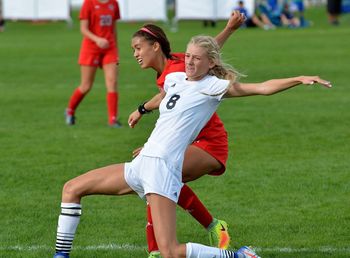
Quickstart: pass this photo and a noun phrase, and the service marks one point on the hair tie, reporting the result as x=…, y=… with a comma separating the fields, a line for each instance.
x=148, y=31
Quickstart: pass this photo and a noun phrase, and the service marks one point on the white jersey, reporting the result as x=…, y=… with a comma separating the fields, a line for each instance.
x=184, y=111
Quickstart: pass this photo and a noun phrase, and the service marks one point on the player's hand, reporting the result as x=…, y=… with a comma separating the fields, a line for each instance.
x=102, y=43
x=235, y=21
x=310, y=80
x=136, y=152
x=134, y=118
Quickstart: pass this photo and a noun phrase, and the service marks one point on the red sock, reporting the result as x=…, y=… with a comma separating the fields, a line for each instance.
x=189, y=201
x=151, y=239
x=112, y=105
x=74, y=101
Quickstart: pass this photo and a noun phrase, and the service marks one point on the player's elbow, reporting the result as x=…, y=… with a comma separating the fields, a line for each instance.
x=265, y=90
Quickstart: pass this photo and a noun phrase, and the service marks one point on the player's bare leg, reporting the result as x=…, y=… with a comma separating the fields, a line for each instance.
x=108, y=180
x=111, y=75
x=164, y=221
x=164, y=224
x=87, y=77
x=198, y=163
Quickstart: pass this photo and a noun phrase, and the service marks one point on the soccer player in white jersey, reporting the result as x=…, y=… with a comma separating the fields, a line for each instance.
x=189, y=100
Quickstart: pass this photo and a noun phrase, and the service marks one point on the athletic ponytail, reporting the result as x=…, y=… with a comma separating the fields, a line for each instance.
x=221, y=69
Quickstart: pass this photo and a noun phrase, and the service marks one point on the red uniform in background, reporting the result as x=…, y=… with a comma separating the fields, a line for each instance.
x=101, y=17
x=98, y=24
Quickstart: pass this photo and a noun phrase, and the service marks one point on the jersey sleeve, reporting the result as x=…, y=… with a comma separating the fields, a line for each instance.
x=85, y=10
x=166, y=84
x=176, y=64
x=216, y=87
x=117, y=11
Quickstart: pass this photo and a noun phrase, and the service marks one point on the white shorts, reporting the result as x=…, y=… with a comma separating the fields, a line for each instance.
x=153, y=175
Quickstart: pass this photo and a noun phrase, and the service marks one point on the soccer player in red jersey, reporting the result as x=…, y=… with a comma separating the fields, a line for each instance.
x=208, y=153
x=98, y=49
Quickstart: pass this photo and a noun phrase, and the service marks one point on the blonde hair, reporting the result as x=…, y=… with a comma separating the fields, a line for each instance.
x=220, y=69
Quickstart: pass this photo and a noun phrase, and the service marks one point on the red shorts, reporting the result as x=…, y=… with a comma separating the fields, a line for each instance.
x=92, y=57
x=217, y=147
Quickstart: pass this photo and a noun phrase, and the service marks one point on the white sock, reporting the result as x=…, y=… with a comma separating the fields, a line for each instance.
x=194, y=250
x=67, y=225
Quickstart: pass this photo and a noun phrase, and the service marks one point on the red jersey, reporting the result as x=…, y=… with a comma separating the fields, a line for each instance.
x=101, y=17
x=214, y=129
x=176, y=64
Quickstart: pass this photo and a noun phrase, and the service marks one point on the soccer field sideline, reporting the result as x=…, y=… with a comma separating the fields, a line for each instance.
x=130, y=247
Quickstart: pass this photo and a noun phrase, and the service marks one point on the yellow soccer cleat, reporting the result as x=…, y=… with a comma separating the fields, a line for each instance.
x=154, y=254
x=218, y=234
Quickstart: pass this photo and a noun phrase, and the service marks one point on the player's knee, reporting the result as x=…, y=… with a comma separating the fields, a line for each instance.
x=85, y=88
x=70, y=192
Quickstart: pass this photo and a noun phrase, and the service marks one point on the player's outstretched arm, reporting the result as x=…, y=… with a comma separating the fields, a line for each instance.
x=273, y=86
x=234, y=22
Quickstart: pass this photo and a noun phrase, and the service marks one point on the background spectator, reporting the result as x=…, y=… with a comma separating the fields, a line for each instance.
x=279, y=13
x=254, y=20
x=334, y=11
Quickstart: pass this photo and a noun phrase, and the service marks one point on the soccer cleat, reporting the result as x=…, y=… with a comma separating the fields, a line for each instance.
x=70, y=119
x=115, y=124
x=247, y=252
x=218, y=234
x=154, y=254
x=61, y=255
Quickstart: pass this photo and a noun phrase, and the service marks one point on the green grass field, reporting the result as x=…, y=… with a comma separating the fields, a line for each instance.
x=286, y=189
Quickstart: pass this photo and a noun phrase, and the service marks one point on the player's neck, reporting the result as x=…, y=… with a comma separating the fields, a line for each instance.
x=160, y=64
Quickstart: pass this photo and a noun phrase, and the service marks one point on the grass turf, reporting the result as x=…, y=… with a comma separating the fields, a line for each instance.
x=286, y=189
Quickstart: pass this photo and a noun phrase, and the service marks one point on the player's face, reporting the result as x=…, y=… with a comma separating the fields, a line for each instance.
x=197, y=62
x=145, y=52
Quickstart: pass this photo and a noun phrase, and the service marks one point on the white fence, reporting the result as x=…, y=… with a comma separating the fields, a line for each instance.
x=131, y=10
x=36, y=9
x=143, y=10
x=208, y=9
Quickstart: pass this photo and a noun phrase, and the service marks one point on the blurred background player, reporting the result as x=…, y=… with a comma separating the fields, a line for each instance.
x=99, y=49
